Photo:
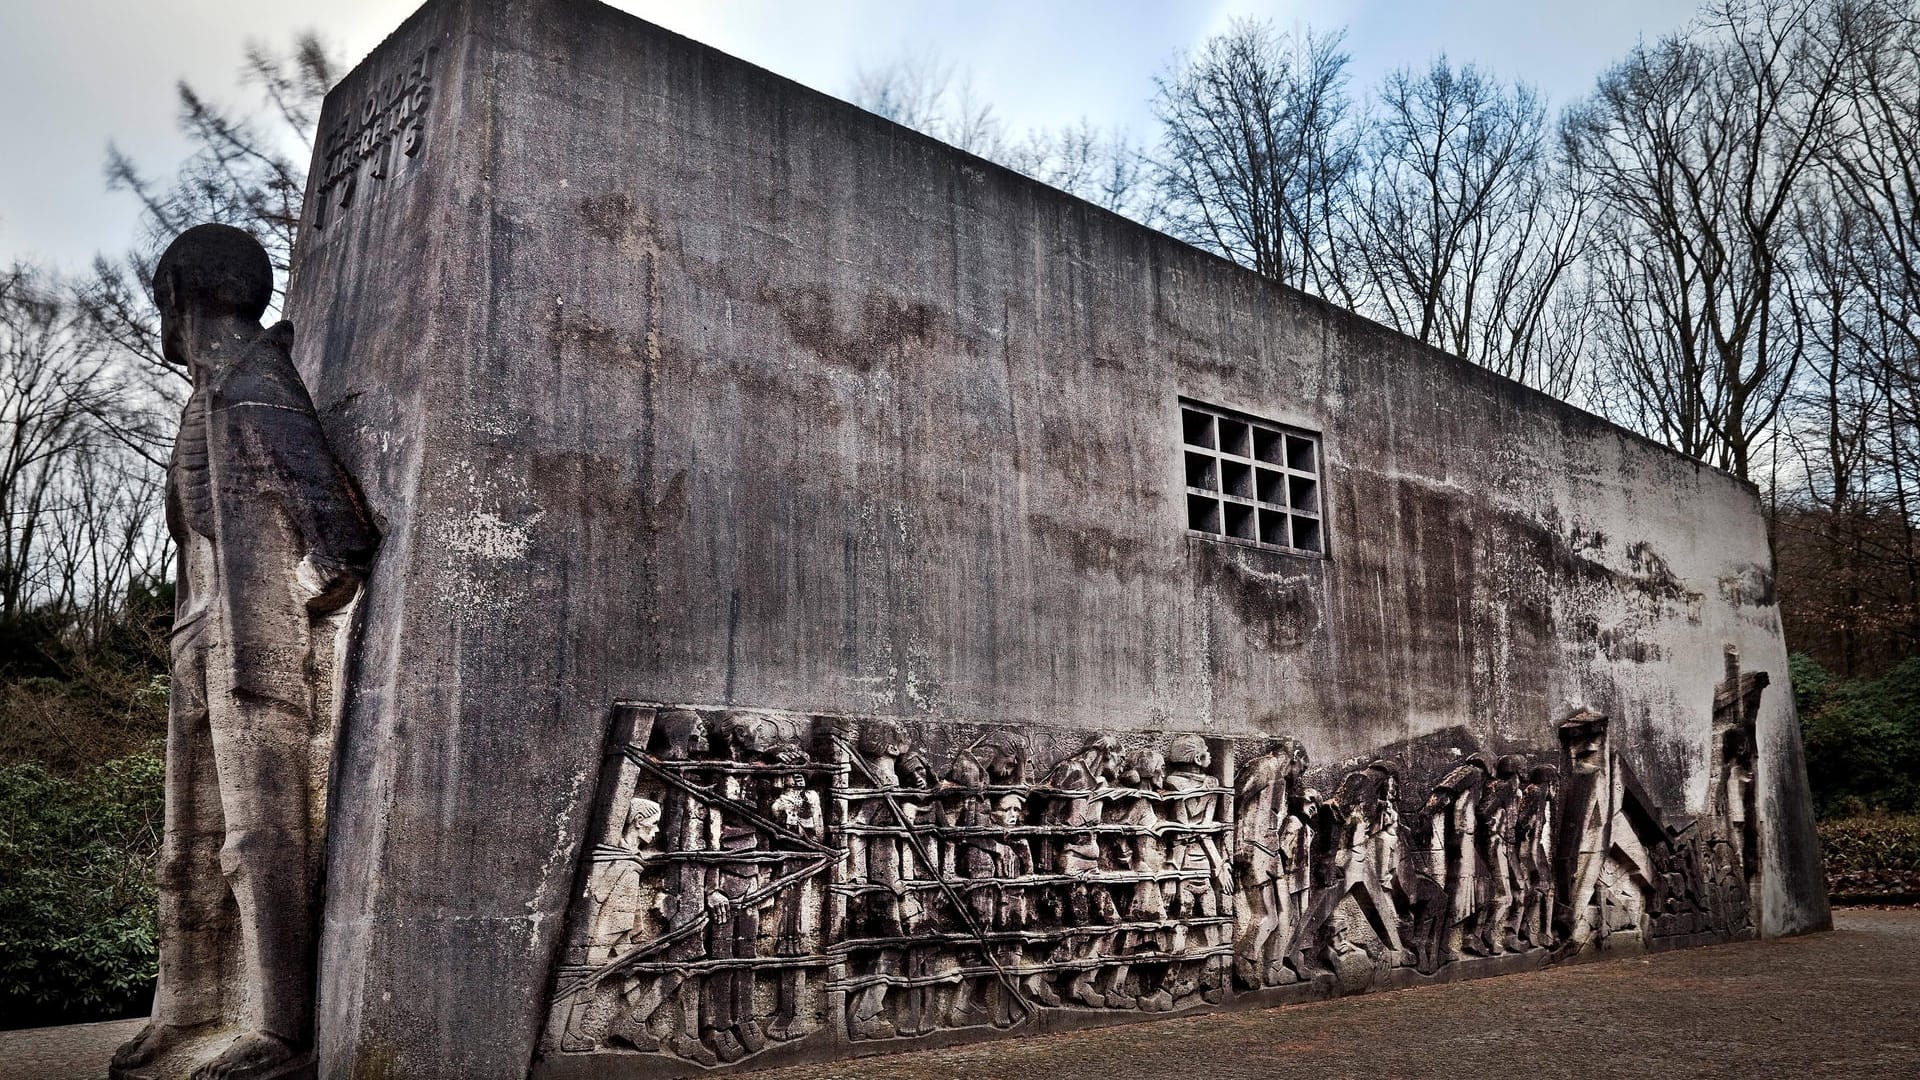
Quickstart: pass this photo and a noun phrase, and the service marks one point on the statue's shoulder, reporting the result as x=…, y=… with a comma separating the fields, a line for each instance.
x=263, y=373
x=279, y=338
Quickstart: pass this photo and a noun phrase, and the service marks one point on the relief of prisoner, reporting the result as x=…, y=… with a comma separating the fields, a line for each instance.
x=1104, y=885
x=732, y=889
x=740, y=894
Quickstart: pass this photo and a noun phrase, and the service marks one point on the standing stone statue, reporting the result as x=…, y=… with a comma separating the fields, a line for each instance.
x=273, y=541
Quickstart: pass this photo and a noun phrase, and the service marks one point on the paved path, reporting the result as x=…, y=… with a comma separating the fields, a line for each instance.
x=74, y=1052
x=1845, y=1004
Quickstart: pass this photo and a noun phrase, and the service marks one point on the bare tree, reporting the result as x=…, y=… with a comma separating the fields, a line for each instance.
x=1103, y=167
x=1856, y=424
x=88, y=404
x=1695, y=149
x=87, y=410
x=910, y=90
x=928, y=93
x=60, y=397
x=1256, y=152
x=1464, y=231
x=1823, y=507
x=925, y=92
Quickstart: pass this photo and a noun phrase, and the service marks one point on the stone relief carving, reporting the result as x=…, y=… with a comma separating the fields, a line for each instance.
x=274, y=542
x=857, y=881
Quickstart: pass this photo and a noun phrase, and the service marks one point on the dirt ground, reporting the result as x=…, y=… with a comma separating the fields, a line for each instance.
x=1845, y=1004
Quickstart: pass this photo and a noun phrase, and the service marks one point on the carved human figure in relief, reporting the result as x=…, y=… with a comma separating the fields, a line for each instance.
x=1080, y=783
x=1263, y=809
x=1296, y=853
x=1354, y=951
x=1737, y=794
x=615, y=895
x=668, y=1010
x=1582, y=828
x=1364, y=834
x=1453, y=815
x=1736, y=709
x=877, y=860
x=614, y=886
x=1604, y=865
x=1145, y=772
x=1012, y=862
x=1385, y=843
x=1533, y=854
x=1497, y=925
x=797, y=810
x=730, y=1028
x=1206, y=877
x=922, y=914
x=273, y=540
x=981, y=861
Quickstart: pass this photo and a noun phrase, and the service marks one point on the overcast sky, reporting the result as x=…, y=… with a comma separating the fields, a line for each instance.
x=76, y=74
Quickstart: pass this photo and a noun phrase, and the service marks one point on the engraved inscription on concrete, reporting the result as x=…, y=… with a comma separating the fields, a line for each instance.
x=376, y=139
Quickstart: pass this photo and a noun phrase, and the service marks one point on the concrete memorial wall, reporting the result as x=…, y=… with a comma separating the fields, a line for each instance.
x=836, y=595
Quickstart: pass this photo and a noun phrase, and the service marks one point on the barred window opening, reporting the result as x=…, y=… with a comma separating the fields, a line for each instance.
x=1251, y=481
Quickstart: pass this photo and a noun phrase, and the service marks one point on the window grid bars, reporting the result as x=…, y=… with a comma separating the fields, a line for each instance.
x=1251, y=481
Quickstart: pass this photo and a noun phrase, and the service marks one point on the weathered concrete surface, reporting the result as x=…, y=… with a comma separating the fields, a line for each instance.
x=673, y=381
x=1838, y=1005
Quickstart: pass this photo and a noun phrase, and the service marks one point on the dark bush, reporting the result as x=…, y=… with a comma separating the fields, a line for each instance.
x=1873, y=857
x=1862, y=738
x=77, y=932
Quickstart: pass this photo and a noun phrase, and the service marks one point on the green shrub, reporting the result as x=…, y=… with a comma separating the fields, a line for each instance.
x=1862, y=738
x=1872, y=857
x=77, y=897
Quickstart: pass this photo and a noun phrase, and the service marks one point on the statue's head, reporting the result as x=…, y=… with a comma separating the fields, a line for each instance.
x=1287, y=748
x=918, y=771
x=1190, y=750
x=1583, y=737
x=1005, y=763
x=1357, y=788
x=883, y=738
x=1510, y=766
x=967, y=769
x=1386, y=777
x=209, y=272
x=1101, y=753
x=643, y=820
x=1737, y=745
x=680, y=734
x=749, y=736
x=1146, y=769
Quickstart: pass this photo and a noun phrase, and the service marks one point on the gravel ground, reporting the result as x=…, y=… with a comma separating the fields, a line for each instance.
x=1845, y=1004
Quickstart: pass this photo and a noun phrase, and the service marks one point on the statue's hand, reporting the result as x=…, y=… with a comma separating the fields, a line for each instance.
x=329, y=583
